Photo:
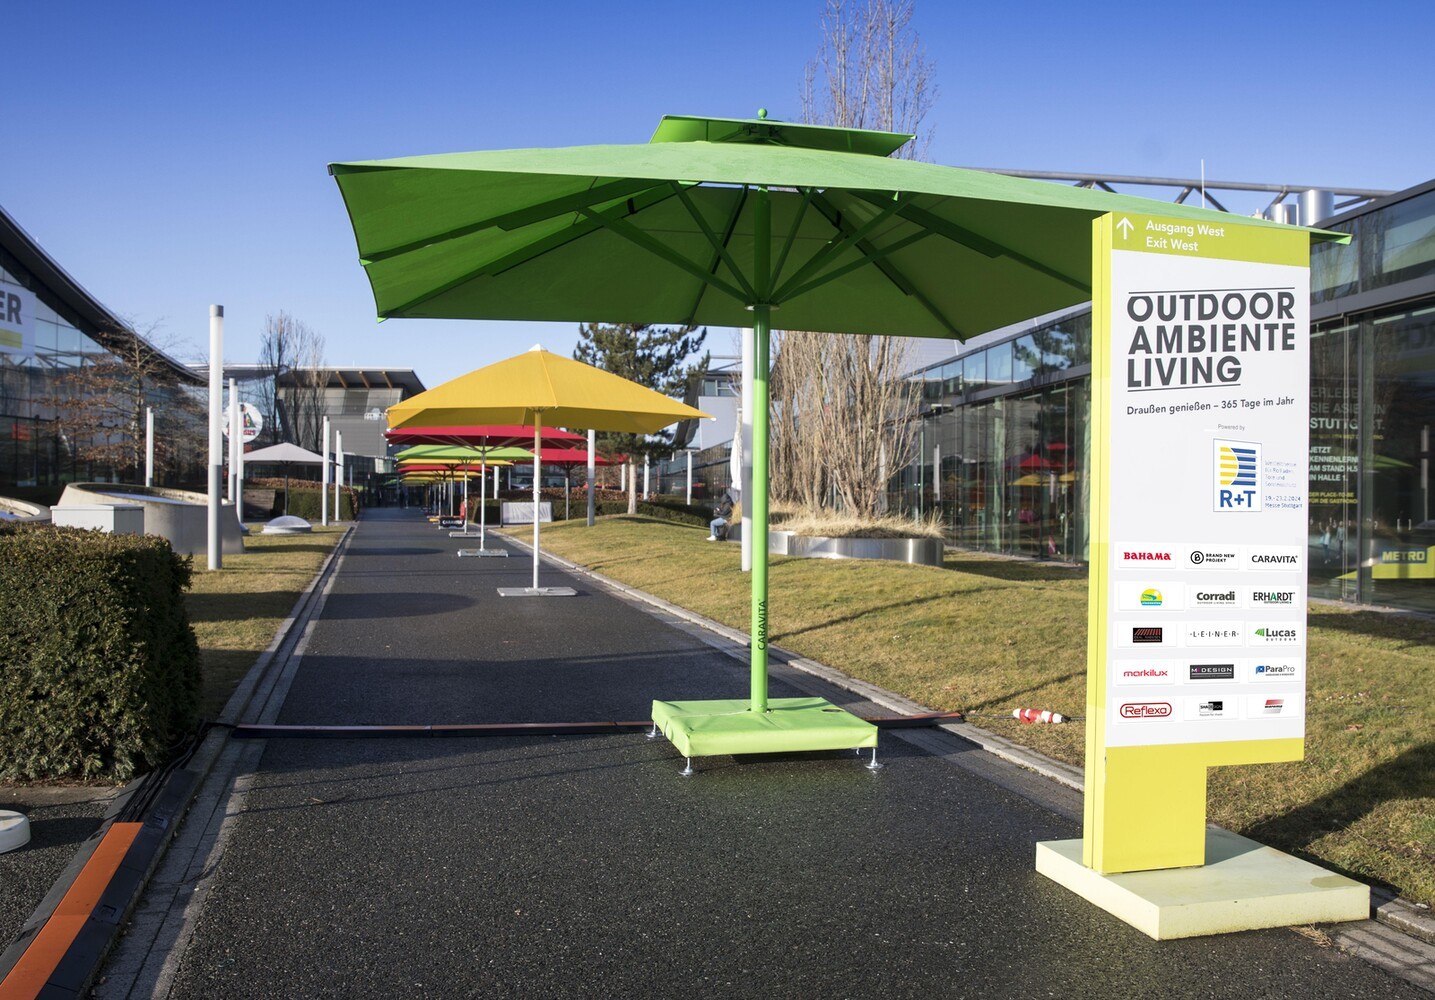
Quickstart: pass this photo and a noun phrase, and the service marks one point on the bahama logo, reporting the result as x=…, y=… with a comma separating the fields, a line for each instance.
x=1151, y=598
x=1146, y=556
x=1238, y=475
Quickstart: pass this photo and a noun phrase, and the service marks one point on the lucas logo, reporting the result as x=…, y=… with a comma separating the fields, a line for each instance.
x=1237, y=483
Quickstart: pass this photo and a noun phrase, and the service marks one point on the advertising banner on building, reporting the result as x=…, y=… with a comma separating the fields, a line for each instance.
x=17, y=320
x=251, y=422
x=1207, y=414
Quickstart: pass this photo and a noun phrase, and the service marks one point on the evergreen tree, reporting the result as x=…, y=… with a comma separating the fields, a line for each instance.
x=654, y=356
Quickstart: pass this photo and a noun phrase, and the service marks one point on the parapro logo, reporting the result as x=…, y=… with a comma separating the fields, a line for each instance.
x=1145, y=710
x=1237, y=475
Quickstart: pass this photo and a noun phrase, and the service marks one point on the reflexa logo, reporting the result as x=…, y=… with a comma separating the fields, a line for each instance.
x=1151, y=598
x=1145, y=557
x=1145, y=710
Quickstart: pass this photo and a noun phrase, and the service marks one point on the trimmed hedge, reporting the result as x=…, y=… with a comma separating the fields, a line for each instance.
x=612, y=502
x=304, y=498
x=99, y=668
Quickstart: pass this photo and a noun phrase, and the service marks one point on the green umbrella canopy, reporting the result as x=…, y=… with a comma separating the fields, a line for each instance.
x=664, y=232
x=730, y=222
x=454, y=453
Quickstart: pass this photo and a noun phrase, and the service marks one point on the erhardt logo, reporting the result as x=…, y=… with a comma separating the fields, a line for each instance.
x=1237, y=475
x=1145, y=710
x=1274, y=598
x=1146, y=633
x=1144, y=556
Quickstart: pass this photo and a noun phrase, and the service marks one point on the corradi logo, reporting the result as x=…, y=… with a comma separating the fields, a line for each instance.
x=1227, y=598
x=1237, y=475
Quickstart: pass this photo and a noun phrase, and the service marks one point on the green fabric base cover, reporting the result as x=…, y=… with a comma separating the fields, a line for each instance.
x=792, y=725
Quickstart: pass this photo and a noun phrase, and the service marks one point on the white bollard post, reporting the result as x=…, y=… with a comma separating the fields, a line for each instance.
x=745, y=439
x=234, y=424
x=646, y=489
x=148, y=446
x=623, y=478
x=338, y=474
x=216, y=431
x=592, y=474
x=324, y=488
x=690, y=477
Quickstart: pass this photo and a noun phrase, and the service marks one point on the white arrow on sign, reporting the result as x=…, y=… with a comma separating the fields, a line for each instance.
x=1125, y=226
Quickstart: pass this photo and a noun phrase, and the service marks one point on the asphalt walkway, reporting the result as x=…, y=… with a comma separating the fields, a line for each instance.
x=586, y=866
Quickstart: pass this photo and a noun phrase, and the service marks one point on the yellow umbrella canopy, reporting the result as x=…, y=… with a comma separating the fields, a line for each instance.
x=565, y=392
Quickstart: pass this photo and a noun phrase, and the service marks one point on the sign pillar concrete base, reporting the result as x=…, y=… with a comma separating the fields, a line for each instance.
x=1242, y=886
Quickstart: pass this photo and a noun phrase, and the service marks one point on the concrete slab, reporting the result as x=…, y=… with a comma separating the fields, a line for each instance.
x=1243, y=886
x=536, y=592
x=481, y=553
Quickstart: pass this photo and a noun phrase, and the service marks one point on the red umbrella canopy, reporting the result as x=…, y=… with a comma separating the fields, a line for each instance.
x=569, y=456
x=479, y=436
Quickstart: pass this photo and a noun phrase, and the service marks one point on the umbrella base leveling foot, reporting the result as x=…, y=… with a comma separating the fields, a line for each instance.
x=790, y=725
x=537, y=592
x=480, y=553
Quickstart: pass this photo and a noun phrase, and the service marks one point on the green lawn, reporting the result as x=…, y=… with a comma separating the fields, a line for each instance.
x=237, y=610
x=988, y=635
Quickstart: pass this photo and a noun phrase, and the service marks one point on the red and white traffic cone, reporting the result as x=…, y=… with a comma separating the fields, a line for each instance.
x=1033, y=715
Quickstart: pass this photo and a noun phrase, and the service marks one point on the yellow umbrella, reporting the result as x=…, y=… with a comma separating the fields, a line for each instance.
x=537, y=388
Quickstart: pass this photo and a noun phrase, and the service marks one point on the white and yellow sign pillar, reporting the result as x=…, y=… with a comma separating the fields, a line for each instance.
x=1196, y=652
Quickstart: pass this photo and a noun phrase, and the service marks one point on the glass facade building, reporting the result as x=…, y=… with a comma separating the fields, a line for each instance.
x=1005, y=431
x=73, y=330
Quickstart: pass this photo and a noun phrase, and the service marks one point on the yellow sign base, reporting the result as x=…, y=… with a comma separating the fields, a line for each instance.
x=1242, y=886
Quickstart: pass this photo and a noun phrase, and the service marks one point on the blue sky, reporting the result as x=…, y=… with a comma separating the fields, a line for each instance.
x=171, y=155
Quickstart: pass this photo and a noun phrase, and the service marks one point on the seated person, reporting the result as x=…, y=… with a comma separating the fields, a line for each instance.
x=722, y=515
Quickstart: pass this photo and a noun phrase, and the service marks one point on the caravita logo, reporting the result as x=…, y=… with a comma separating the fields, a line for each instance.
x=1272, y=557
x=1237, y=476
x=1145, y=710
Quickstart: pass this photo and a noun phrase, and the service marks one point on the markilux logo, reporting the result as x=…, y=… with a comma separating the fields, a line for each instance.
x=1145, y=710
x=1146, y=633
x=1146, y=673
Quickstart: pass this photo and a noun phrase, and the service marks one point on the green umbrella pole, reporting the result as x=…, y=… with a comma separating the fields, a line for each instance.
x=761, y=329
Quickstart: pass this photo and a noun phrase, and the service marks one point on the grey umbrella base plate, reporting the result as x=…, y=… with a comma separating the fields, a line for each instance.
x=537, y=592
x=465, y=534
x=471, y=553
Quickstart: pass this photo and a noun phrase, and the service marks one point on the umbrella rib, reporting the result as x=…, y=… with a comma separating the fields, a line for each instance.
x=728, y=230
x=870, y=257
x=520, y=217
x=532, y=252
x=787, y=244
x=986, y=247
x=636, y=236
x=845, y=238
x=718, y=245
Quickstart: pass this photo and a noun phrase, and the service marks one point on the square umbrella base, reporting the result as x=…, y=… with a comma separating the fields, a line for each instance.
x=791, y=725
x=536, y=592
x=479, y=553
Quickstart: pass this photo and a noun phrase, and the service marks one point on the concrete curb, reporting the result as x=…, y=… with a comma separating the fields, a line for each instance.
x=1400, y=914
x=167, y=813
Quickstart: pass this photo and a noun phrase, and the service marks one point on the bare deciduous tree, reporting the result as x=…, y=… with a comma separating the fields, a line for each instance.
x=842, y=406
x=292, y=396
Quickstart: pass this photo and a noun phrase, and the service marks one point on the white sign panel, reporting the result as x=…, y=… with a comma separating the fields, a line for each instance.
x=251, y=422
x=1208, y=417
x=17, y=320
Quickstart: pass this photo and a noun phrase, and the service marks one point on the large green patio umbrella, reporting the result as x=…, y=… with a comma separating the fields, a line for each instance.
x=731, y=222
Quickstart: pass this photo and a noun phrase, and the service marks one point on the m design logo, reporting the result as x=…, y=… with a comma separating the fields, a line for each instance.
x=1238, y=475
